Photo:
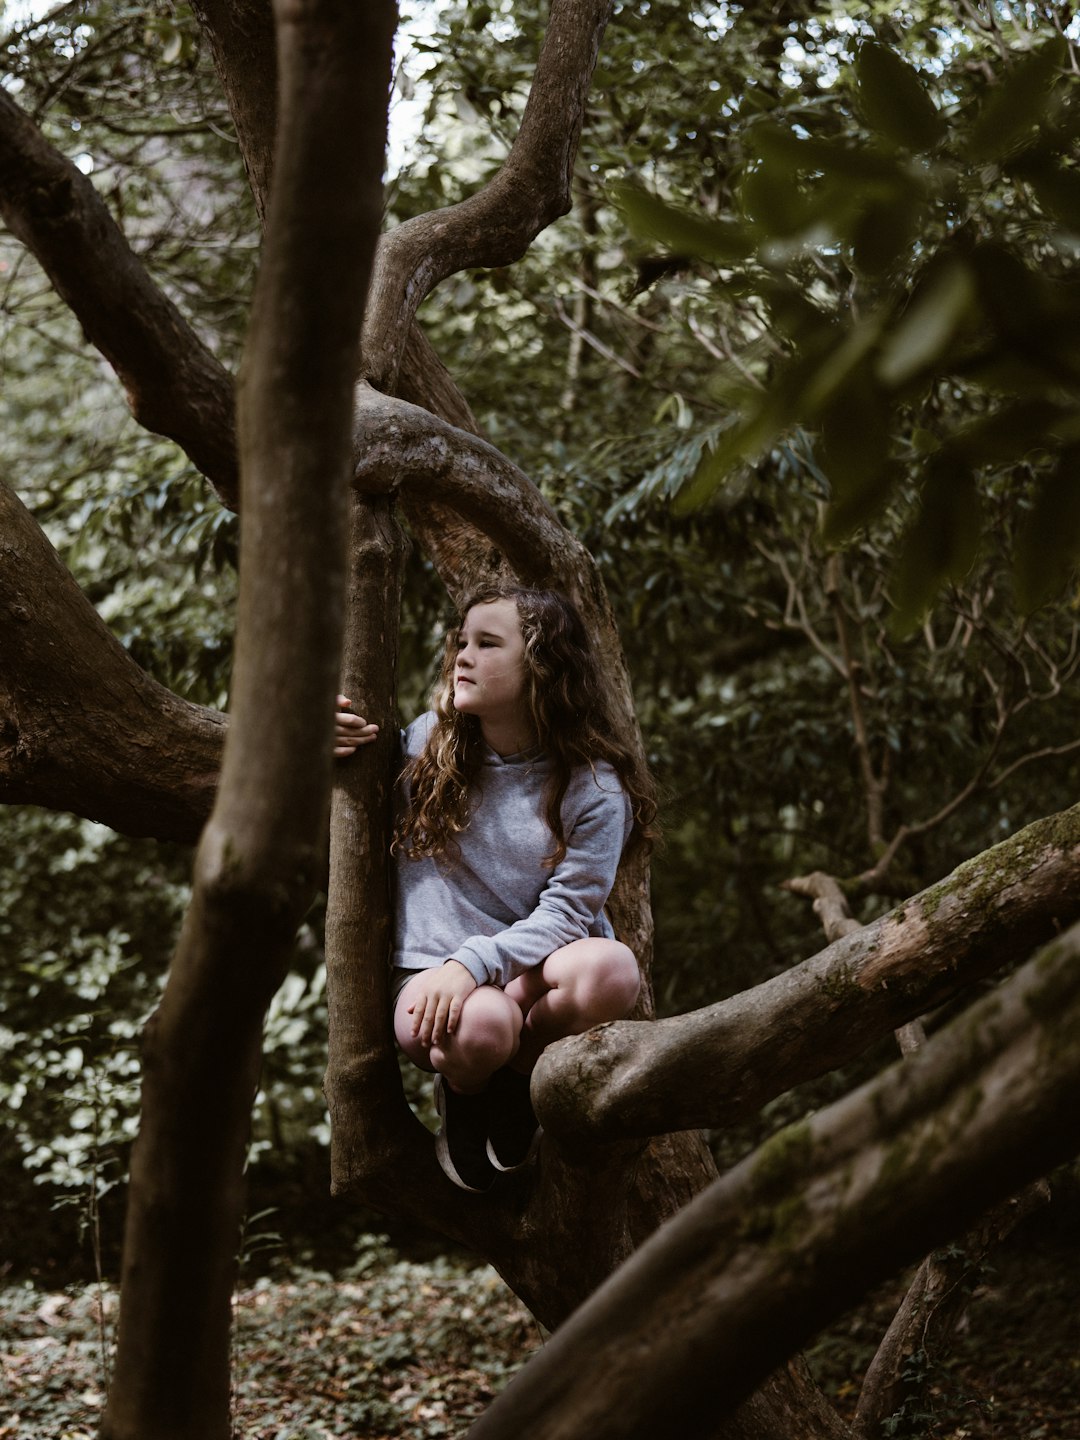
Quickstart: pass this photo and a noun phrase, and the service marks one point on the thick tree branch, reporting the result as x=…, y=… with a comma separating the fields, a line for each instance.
x=82, y=727
x=240, y=34
x=801, y=1229
x=497, y=224
x=174, y=385
x=720, y=1064
x=402, y=448
x=261, y=852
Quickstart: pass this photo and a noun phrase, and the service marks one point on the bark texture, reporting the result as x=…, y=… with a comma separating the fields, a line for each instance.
x=791, y=1237
x=720, y=1064
x=261, y=854
x=82, y=727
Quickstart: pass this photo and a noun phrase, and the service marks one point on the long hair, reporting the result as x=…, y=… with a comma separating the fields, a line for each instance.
x=572, y=720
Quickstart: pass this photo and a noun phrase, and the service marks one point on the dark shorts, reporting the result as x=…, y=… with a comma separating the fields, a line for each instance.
x=399, y=978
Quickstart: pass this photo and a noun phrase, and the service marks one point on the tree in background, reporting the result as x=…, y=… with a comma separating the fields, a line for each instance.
x=767, y=1253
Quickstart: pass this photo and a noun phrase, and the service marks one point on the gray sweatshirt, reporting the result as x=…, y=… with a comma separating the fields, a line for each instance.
x=496, y=907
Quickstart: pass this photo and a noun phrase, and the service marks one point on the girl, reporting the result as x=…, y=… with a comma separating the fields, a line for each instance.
x=517, y=805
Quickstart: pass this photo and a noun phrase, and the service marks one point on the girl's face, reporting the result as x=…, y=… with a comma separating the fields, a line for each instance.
x=489, y=672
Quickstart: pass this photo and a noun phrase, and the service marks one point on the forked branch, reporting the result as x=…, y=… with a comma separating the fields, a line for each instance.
x=496, y=225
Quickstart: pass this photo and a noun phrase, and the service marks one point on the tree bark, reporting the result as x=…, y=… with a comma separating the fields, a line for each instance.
x=262, y=851
x=791, y=1237
x=931, y=1309
x=720, y=1064
x=82, y=727
x=368, y=1113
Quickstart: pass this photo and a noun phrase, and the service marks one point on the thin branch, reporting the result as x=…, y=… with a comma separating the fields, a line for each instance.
x=873, y=783
x=795, y=613
x=1045, y=753
x=576, y=328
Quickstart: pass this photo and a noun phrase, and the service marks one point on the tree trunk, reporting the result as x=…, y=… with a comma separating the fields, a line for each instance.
x=262, y=852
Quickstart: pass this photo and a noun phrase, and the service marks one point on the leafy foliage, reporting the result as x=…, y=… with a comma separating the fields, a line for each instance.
x=911, y=243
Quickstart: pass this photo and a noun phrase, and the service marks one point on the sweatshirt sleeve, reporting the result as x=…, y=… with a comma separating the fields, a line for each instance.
x=573, y=897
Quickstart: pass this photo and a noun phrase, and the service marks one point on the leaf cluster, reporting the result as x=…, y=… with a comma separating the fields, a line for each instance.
x=908, y=248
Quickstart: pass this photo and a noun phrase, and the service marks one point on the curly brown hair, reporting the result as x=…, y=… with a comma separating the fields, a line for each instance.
x=571, y=718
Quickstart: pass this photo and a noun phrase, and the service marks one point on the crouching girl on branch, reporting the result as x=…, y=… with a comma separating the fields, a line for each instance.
x=517, y=802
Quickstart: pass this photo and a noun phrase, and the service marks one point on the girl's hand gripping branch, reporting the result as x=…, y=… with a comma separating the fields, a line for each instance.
x=351, y=730
x=437, y=1000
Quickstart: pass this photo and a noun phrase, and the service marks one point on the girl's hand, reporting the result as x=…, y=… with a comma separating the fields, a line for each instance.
x=437, y=1001
x=351, y=730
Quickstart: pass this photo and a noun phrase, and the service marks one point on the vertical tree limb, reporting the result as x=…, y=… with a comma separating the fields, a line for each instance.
x=261, y=853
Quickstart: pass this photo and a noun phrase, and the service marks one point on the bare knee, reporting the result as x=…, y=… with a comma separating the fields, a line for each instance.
x=612, y=981
x=600, y=980
x=486, y=1037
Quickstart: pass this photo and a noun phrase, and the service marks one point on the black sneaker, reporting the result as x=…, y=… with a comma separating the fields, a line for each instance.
x=513, y=1129
x=460, y=1144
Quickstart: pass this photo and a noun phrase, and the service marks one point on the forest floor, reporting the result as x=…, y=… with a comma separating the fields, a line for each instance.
x=393, y=1347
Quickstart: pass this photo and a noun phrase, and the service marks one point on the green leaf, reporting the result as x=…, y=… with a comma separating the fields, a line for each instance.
x=855, y=435
x=894, y=100
x=1011, y=111
x=680, y=230
x=1009, y=433
x=1048, y=544
x=793, y=315
x=770, y=199
x=940, y=545
x=924, y=331
x=884, y=231
x=780, y=145
x=1057, y=191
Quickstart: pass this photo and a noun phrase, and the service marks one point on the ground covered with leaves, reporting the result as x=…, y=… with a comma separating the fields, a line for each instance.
x=392, y=1347
x=389, y=1347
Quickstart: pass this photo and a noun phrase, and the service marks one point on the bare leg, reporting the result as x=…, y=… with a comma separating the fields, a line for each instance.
x=584, y=984
x=486, y=1038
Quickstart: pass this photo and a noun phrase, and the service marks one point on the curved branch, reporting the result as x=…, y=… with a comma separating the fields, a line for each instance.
x=497, y=224
x=82, y=727
x=174, y=385
x=798, y=1231
x=720, y=1064
x=401, y=447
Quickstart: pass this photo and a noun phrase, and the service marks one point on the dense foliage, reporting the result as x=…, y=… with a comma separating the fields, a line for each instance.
x=817, y=205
